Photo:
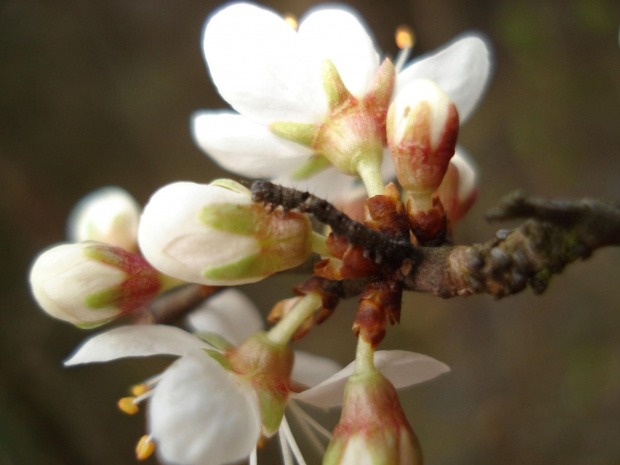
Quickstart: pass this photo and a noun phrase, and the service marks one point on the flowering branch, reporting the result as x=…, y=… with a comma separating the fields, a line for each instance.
x=556, y=234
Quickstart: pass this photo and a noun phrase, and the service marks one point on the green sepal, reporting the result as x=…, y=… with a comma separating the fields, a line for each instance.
x=249, y=266
x=94, y=324
x=302, y=133
x=315, y=165
x=104, y=299
x=272, y=405
x=215, y=340
x=229, y=217
x=231, y=185
x=335, y=90
x=220, y=358
x=104, y=254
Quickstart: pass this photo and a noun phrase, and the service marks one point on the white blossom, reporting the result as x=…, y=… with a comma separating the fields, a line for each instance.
x=199, y=412
x=268, y=72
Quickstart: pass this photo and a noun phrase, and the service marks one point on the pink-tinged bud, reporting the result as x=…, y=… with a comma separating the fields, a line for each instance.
x=422, y=128
x=373, y=429
x=108, y=215
x=458, y=190
x=214, y=235
x=91, y=283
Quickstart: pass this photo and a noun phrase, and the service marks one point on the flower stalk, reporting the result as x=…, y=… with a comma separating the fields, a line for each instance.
x=286, y=328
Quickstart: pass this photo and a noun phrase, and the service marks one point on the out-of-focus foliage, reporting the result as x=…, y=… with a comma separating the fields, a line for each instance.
x=95, y=93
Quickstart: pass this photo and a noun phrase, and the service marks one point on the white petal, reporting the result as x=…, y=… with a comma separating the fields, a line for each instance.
x=402, y=368
x=135, y=341
x=310, y=369
x=462, y=69
x=340, y=35
x=244, y=147
x=467, y=170
x=330, y=184
x=202, y=414
x=229, y=314
x=258, y=65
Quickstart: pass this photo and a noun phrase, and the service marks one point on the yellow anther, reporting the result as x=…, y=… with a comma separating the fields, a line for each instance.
x=260, y=443
x=127, y=405
x=404, y=36
x=145, y=447
x=291, y=21
x=139, y=389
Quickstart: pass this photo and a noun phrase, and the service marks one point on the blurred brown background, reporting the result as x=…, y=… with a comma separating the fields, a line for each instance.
x=100, y=92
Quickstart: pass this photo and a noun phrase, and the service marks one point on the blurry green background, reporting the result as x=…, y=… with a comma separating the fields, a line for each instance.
x=94, y=93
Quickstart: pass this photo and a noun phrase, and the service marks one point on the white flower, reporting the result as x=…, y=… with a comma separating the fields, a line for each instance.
x=213, y=234
x=109, y=215
x=199, y=412
x=269, y=73
x=91, y=283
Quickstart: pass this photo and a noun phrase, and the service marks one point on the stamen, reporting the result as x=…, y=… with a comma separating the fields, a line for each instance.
x=253, y=457
x=291, y=442
x=305, y=426
x=405, y=39
x=287, y=458
x=142, y=397
x=127, y=405
x=311, y=421
x=139, y=389
x=152, y=381
x=291, y=20
x=145, y=447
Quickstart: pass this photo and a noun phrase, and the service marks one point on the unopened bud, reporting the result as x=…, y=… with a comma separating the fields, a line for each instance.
x=109, y=215
x=458, y=190
x=90, y=283
x=422, y=128
x=372, y=429
x=214, y=235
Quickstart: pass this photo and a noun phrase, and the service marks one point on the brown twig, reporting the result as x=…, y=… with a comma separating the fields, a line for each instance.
x=557, y=233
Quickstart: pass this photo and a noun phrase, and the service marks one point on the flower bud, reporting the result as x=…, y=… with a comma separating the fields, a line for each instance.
x=109, y=215
x=91, y=283
x=458, y=190
x=422, y=127
x=213, y=234
x=372, y=429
